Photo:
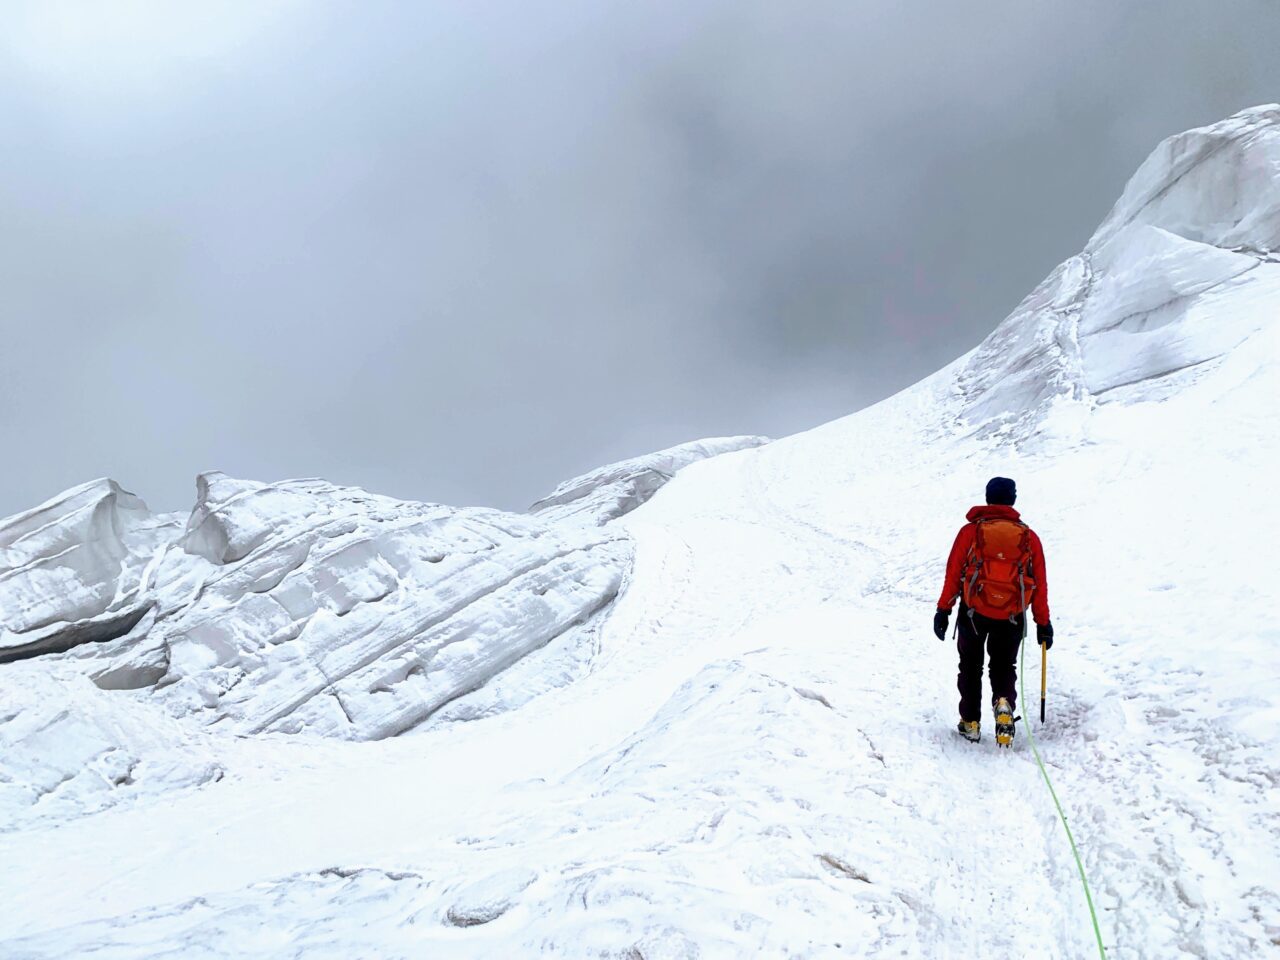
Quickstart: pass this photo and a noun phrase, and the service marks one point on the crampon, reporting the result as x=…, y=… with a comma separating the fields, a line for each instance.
x=1004, y=723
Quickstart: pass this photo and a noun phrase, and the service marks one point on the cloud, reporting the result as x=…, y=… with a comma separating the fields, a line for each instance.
x=459, y=252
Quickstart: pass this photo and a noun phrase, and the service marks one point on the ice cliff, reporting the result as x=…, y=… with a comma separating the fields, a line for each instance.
x=72, y=569
x=306, y=606
x=1138, y=311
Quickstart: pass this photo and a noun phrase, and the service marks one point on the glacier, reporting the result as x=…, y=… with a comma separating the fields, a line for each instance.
x=689, y=705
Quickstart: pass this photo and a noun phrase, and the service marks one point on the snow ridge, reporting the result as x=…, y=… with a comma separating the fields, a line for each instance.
x=609, y=492
x=1140, y=307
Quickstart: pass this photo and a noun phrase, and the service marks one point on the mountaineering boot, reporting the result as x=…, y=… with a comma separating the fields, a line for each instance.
x=969, y=729
x=1004, y=723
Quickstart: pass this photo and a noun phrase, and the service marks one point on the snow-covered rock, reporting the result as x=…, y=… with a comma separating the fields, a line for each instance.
x=609, y=492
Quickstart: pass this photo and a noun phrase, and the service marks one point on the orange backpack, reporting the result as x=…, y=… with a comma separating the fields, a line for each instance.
x=998, y=578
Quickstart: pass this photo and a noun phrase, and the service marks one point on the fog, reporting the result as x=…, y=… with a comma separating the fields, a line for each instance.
x=459, y=252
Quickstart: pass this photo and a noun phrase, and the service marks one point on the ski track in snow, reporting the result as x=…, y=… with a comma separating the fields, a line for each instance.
x=753, y=752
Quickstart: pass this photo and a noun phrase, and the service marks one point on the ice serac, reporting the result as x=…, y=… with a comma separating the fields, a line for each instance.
x=338, y=612
x=1139, y=312
x=611, y=491
x=1214, y=185
x=72, y=569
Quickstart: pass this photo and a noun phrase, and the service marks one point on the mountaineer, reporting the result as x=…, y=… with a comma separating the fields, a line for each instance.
x=996, y=569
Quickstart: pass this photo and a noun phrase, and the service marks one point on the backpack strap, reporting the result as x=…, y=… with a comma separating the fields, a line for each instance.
x=972, y=566
x=1024, y=546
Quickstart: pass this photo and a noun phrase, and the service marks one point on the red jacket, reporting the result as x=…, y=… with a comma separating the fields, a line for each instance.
x=951, y=587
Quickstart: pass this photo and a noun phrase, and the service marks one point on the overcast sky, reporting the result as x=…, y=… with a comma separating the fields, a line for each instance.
x=461, y=251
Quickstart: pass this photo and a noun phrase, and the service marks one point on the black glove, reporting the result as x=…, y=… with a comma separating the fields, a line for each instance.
x=940, y=624
x=1044, y=635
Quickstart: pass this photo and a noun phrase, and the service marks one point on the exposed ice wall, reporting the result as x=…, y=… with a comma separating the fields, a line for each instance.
x=294, y=606
x=306, y=606
x=71, y=569
x=1135, y=311
x=346, y=614
x=1214, y=185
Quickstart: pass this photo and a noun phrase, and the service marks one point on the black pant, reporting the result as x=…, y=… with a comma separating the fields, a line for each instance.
x=1001, y=638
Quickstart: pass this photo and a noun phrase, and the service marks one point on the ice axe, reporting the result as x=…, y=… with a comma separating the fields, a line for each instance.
x=1044, y=674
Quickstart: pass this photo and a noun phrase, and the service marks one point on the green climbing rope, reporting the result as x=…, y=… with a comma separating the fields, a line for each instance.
x=1022, y=680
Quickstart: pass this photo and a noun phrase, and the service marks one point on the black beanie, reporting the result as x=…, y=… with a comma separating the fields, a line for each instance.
x=1002, y=490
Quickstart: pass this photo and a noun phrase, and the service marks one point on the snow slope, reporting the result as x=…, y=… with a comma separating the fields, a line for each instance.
x=608, y=492
x=756, y=758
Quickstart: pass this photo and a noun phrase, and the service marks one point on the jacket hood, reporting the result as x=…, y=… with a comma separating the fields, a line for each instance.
x=991, y=511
